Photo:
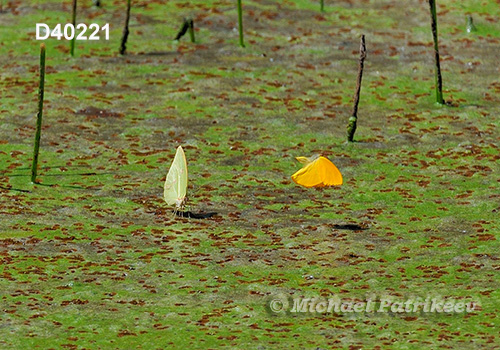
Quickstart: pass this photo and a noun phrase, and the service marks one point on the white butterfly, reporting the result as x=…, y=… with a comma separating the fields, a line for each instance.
x=175, y=188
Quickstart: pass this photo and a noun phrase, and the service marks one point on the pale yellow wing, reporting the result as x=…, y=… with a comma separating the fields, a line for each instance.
x=307, y=160
x=175, y=188
x=304, y=160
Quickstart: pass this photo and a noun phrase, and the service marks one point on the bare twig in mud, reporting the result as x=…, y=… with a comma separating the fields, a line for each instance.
x=240, y=23
x=123, y=45
x=439, y=80
x=38, y=133
x=73, y=21
x=351, y=127
x=188, y=24
x=191, y=30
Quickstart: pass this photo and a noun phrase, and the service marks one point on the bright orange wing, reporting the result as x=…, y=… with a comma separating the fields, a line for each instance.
x=321, y=172
x=307, y=176
x=329, y=173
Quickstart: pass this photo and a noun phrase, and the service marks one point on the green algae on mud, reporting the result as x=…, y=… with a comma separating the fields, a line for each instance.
x=94, y=259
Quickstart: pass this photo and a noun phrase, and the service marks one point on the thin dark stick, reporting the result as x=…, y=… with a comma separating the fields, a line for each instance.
x=439, y=80
x=240, y=23
x=183, y=30
x=351, y=127
x=191, y=30
x=73, y=21
x=38, y=133
x=123, y=44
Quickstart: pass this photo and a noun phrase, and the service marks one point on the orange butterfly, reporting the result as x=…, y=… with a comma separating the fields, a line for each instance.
x=317, y=172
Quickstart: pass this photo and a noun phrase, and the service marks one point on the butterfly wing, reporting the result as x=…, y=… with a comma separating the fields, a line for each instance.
x=175, y=188
x=328, y=172
x=318, y=173
x=304, y=160
x=183, y=176
x=308, y=176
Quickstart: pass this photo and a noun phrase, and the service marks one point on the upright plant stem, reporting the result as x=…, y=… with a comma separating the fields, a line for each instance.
x=470, y=24
x=39, y=115
x=322, y=6
x=123, y=45
x=191, y=30
x=351, y=127
x=73, y=21
x=240, y=23
x=439, y=80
